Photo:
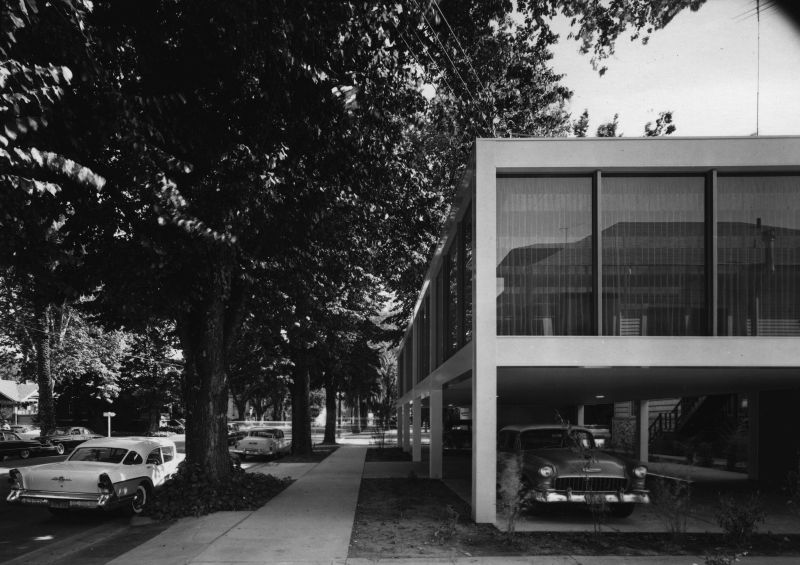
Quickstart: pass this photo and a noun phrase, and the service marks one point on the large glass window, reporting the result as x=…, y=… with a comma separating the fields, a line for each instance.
x=758, y=234
x=653, y=255
x=544, y=256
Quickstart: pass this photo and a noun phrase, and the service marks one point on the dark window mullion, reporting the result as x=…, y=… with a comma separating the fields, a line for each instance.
x=712, y=289
x=597, y=253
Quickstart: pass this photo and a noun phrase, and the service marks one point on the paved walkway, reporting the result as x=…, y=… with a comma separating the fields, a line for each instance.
x=311, y=521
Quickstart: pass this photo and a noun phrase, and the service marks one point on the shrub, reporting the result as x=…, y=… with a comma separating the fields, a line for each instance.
x=672, y=499
x=191, y=493
x=447, y=525
x=739, y=517
x=513, y=496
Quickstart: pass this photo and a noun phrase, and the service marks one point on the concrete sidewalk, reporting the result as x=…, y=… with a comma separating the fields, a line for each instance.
x=309, y=522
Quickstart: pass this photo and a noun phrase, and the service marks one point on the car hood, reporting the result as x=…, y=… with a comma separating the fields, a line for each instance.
x=569, y=461
x=65, y=475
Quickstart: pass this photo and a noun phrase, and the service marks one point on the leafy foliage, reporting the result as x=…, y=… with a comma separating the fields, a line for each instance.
x=739, y=517
x=664, y=125
x=191, y=492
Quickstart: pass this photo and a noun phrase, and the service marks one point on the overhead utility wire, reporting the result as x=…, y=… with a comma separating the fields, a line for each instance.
x=453, y=33
x=758, y=9
x=455, y=69
x=444, y=77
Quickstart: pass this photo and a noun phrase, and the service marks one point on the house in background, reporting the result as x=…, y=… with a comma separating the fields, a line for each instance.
x=636, y=274
x=19, y=402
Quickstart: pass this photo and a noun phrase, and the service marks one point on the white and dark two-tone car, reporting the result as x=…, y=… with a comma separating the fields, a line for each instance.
x=101, y=473
x=562, y=464
x=265, y=442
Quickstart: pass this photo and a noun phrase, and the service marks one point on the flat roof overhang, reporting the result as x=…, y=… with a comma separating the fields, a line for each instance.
x=558, y=386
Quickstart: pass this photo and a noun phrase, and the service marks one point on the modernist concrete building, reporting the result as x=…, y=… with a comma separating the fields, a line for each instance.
x=578, y=271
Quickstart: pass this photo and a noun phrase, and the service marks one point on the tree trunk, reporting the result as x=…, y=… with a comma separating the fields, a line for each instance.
x=41, y=339
x=330, y=410
x=205, y=388
x=241, y=407
x=301, y=416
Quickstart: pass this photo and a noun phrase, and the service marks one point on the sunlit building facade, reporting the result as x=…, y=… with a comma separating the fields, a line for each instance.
x=578, y=271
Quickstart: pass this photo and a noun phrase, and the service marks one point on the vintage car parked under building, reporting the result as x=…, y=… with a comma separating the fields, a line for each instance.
x=100, y=474
x=561, y=464
x=263, y=442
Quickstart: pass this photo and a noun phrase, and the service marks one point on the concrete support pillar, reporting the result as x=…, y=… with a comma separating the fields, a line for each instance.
x=484, y=336
x=400, y=426
x=416, y=443
x=643, y=430
x=437, y=423
x=581, y=415
x=406, y=435
x=754, y=423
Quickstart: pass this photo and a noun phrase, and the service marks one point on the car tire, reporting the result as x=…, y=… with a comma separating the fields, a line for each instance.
x=59, y=448
x=24, y=453
x=139, y=500
x=622, y=509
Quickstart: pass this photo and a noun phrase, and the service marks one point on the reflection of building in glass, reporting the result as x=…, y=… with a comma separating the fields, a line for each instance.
x=650, y=287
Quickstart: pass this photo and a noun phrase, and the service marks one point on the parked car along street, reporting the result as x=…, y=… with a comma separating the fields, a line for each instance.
x=561, y=464
x=262, y=442
x=13, y=445
x=65, y=438
x=102, y=473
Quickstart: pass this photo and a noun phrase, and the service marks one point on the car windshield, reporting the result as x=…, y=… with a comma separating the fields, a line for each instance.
x=61, y=431
x=263, y=433
x=550, y=438
x=99, y=454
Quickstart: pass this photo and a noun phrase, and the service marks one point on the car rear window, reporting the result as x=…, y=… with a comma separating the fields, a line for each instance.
x=269, y=435
x=99, y=454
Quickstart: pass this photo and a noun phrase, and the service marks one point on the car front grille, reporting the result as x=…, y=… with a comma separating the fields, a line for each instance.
x=590, y=484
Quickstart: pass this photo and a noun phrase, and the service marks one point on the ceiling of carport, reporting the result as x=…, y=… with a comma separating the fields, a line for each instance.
x=596, y=385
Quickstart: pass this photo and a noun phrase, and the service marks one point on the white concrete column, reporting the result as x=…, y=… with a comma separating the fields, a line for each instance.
x=399, y=426
x=581, y=415
x=416, y=444
x=406, y=435
x=437, y=423
x=484, y=335
x=643, y=422
x=754, y=423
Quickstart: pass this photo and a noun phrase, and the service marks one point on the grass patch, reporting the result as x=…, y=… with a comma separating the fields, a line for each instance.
x=320, y=452
x=387, y=454
x=402, y=518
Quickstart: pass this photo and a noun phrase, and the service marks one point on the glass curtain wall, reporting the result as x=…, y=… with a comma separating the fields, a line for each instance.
x=653, y=252
x=758, y=234
x=544, y=254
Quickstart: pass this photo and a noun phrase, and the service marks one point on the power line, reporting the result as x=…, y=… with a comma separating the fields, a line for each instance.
x=452, y=64
x=453, y=33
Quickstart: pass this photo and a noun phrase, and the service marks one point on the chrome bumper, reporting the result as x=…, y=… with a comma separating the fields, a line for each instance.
x=638, y=497
x=56, y=499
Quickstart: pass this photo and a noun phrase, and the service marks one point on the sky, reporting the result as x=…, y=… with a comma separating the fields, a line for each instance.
x=703, y=66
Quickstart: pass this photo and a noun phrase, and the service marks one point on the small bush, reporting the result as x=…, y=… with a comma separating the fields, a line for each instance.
x=739, y=517
x=672, y=499
x=512, y=492
x=447, y=526
x=191, y=493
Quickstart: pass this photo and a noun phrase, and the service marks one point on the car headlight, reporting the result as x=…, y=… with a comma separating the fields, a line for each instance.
x=547, y=471
x=640, y=472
